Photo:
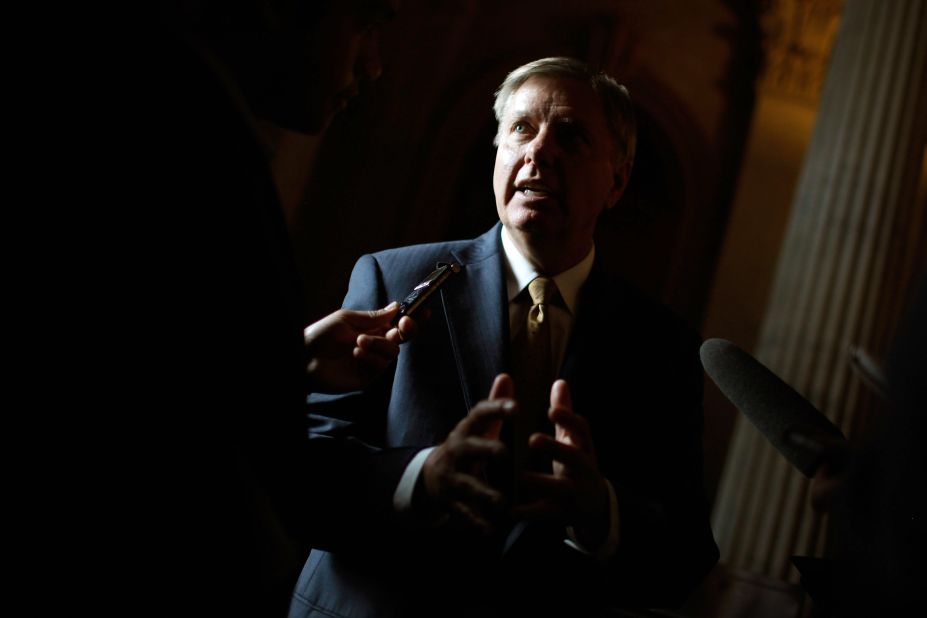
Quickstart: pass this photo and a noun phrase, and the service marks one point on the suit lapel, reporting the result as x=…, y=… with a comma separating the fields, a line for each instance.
x=476, y=311
x=593, y=314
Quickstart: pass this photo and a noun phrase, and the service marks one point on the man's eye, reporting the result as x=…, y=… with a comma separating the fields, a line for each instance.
x=571, y=135
x=520, y=127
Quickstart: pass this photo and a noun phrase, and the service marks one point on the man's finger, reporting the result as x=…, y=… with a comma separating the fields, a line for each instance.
x=560, y=395
x=375, y=320
x=502, y=387
x=377, y=346
x=567, y=454
x=576, y=427
x=380, y=318
x=466, y=488
x=474, y=449
x=386, y=312
x=484, y=415
x=405, y=329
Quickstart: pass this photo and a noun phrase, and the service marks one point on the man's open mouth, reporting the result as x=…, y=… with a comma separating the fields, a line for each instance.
x=533, y=190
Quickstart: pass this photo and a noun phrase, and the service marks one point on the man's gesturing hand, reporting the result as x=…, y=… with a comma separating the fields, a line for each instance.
x=454, y=472
x=575, y=492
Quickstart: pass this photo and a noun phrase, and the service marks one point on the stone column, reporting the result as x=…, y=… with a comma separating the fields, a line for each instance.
x=850, y=252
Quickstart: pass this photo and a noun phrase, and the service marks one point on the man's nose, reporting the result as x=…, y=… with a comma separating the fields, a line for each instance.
x=368, y=64
x=540, y=150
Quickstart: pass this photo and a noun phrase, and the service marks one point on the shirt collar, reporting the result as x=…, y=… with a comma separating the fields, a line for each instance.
x=519, y=272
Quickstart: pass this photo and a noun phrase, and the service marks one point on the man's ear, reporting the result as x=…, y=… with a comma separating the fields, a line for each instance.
x=622, y=174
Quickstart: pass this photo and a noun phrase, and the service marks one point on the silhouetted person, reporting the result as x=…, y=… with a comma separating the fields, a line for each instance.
x=876, y=494
x=218, y=492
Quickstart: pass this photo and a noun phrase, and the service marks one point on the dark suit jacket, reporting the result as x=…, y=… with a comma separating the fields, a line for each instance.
x=634, y=374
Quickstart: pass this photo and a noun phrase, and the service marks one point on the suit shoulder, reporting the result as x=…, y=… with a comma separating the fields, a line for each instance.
x=420, y=257
x=396, y=271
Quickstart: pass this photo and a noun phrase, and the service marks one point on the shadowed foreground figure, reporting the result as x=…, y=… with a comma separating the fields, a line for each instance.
x=876, y=494
x=227, y=485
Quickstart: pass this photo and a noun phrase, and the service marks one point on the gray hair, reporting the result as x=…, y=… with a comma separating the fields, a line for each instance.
x=616, y=102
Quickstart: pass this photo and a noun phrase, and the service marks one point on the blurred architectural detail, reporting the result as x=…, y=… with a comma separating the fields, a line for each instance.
x=798, y=36
x=780, y=130
x=854, y=244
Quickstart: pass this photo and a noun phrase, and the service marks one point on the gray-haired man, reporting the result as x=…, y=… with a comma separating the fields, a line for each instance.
x=606, y=505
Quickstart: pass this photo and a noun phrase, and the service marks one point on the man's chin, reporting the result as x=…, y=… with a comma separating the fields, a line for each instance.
x=532, y=220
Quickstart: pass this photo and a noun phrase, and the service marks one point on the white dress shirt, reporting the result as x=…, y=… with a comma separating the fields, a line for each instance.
x=519, y=272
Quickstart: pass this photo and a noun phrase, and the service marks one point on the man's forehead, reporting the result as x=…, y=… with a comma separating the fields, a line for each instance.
x=557, y=96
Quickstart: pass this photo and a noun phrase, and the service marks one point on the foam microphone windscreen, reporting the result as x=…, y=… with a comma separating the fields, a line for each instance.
x=784, y=417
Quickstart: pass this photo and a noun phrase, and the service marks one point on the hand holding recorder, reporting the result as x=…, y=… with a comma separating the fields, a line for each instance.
x=348, y=349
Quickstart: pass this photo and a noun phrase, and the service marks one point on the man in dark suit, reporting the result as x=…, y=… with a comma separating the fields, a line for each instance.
x=511, y=506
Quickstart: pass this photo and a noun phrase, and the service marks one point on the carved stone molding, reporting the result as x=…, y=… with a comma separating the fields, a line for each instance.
x=798, y=36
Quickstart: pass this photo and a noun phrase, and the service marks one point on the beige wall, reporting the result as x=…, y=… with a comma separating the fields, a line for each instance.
x=779, y=134
x=778, y=138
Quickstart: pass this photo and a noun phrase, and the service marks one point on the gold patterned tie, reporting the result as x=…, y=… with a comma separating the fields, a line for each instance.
x=532, y=366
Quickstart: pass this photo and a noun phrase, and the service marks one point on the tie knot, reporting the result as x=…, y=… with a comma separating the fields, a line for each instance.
x=542, y=290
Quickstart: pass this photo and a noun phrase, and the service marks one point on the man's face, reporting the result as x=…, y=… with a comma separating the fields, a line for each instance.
x=320, y=69
x=555, y=170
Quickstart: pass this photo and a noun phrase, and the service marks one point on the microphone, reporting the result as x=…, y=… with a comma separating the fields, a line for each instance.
x=785, y=418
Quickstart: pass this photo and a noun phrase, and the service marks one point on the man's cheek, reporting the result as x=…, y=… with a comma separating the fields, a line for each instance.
x=507, y=158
